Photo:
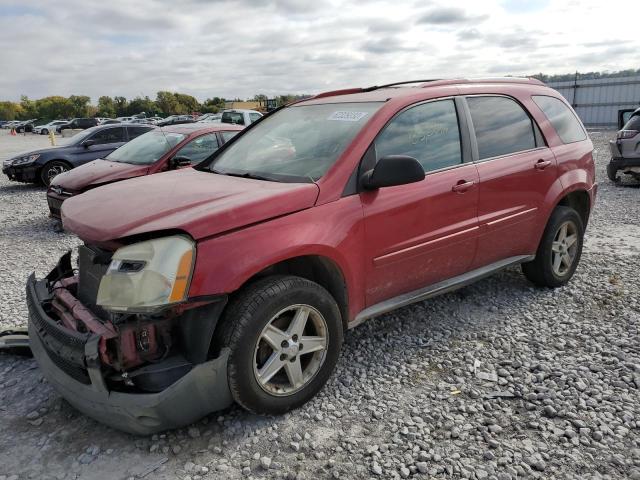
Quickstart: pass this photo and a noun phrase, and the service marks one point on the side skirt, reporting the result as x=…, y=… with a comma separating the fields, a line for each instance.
x=437, y=289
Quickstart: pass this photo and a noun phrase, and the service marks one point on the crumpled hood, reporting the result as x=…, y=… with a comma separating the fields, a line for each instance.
x=98, y=172
x=199, y=203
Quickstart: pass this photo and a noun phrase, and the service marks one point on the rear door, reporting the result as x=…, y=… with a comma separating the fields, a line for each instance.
x=516, y=171
x=424, y=232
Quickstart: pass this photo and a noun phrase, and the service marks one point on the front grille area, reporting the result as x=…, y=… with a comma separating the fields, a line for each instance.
x=54, y=206
x=58, y=339
x=92, y=265
x=76, y=372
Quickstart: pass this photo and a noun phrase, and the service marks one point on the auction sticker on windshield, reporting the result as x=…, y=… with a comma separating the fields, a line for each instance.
x=345, y=116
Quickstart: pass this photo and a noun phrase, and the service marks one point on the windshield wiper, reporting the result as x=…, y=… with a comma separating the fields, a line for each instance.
x=246, y=175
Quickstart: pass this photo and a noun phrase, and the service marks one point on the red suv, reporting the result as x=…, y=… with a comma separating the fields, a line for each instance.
x=155, y=151
x=236, y=280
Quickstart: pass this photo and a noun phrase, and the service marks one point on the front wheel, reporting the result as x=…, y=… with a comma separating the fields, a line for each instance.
x=44, y=131
x=51, y=170
x=559, y=251
x=285, y=335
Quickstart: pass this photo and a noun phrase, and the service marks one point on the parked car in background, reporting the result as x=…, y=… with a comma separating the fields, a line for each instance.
x=48, y=127
x=236, y=279
x=25, y=126
x=240, y=116
x=175, y=120
x=11, y=124
x=78, y=123
x=209, y=117
x=158, y=150
x=109, y=121
x=625, y=149
x=41, y=166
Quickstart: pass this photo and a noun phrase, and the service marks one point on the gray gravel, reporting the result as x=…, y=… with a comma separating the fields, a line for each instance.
x=499, y=380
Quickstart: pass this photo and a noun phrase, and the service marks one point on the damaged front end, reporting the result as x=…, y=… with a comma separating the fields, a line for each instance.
x=140, y=367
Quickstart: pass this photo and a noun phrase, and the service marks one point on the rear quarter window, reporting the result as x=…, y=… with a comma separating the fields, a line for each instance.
x=564, y=121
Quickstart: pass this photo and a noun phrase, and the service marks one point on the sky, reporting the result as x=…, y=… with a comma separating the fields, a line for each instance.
x=240, y=48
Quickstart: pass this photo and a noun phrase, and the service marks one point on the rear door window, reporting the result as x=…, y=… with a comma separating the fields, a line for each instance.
x=564, y=121
x=200, y=148
x=501, y=125
x=428, y=132
x=137, y=131
x=110, y=135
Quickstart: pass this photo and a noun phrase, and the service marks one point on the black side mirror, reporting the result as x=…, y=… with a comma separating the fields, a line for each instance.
x=179, y=162
x=88, y=143
x=393, y=170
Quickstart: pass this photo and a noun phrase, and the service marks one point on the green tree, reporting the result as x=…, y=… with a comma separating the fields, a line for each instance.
x=79, y=105
x=106, y=107
x=28, y=108
x=10, y=110
x=167, y=103
x=142, y=104
x=121, y=105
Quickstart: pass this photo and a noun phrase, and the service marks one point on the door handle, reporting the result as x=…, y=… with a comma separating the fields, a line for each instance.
x=542, y=164
x=462, y=186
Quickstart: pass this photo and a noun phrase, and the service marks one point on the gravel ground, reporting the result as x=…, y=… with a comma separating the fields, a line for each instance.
x=498, y=380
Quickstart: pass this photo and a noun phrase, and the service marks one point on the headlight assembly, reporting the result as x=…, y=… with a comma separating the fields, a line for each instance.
x=26, y=160
x=146, y=276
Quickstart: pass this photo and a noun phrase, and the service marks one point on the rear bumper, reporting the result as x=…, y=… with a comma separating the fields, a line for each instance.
x=620, y=163
x=22, y=174
x=71, y=363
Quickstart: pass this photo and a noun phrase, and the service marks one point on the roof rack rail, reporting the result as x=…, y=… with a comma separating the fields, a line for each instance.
x=432, y=82
x=376, y=87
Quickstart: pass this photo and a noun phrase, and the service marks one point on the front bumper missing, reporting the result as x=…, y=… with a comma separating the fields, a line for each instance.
x=71, y=363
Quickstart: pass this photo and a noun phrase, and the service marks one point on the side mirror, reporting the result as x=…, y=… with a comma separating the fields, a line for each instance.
x=393, y=170
x=179, y=162
x=88, y=143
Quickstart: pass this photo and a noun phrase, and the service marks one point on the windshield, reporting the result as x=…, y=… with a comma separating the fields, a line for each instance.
x=298, y=143
x=147, y=148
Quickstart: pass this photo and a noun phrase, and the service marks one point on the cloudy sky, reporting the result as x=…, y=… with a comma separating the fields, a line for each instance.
x=239, y=48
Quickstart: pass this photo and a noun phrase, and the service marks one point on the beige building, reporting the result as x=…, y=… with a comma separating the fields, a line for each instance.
x=244, y=105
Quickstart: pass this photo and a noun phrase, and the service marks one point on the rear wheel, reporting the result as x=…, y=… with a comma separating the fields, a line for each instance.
x=51, y=169
x=285, y=335
x=559, y=251
x=612, y=173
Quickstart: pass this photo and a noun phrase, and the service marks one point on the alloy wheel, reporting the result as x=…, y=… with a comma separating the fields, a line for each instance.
x=290, y=350
x=55, y=170
x=564, y=248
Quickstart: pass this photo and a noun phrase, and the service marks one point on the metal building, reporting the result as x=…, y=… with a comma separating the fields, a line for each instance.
x=597, y=101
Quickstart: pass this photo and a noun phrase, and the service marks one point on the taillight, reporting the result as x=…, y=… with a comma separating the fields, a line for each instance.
x=627, y=134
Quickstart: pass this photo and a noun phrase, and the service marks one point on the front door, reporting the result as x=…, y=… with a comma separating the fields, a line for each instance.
x=104, y=142
x=424, y=232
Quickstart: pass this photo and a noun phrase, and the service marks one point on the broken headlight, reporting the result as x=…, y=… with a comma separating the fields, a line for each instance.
x=148, y=275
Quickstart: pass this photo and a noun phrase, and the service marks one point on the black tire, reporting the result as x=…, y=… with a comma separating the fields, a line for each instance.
x=612, y=173
x=44, y=131
x=51, y=169
x=540, y=271
x=243, y=322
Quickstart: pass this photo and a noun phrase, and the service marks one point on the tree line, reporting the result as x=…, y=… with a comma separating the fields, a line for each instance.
x=165, y=104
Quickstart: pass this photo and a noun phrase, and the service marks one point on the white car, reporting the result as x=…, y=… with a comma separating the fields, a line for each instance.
x=49, y=127
x=240, y=116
